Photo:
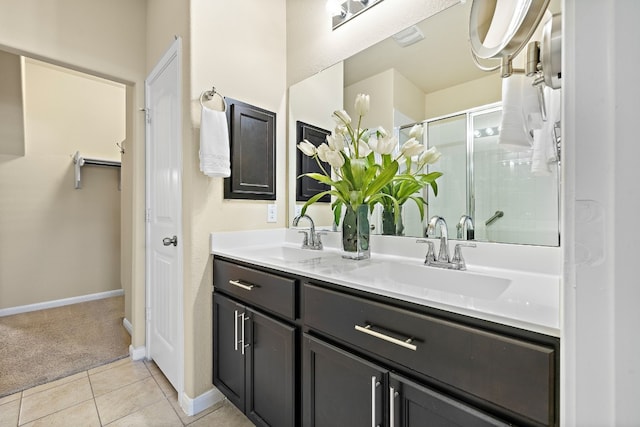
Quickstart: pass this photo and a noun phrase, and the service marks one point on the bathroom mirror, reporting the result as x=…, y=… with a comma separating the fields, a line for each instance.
x=435, y=82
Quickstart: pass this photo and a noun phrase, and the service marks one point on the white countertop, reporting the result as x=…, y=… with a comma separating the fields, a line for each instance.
x=514, y=285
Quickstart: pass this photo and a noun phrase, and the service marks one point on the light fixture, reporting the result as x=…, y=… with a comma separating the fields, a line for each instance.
x=342, y=11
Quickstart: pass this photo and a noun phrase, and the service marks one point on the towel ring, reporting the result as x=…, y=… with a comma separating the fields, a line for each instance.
x=209, y=94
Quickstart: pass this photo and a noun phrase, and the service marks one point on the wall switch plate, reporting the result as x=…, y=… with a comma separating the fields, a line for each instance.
x=272, y=213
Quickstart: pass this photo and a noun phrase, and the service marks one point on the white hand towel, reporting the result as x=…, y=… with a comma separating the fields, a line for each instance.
x=214, y=144
x=512, y=129
x=544, y=140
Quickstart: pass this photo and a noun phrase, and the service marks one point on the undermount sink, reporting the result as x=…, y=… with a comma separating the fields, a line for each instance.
x=287, y=253
x=420, y=280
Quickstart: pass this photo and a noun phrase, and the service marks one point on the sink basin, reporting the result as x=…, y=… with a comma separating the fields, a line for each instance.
x=420, y=280
x=286, y=254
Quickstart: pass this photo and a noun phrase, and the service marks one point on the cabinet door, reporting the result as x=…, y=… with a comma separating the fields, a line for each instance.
x=228, y=352
x=270, y=368
x=339, y=388
x=413, y=405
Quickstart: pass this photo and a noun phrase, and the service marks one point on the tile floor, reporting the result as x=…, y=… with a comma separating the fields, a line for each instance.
x=123, y=393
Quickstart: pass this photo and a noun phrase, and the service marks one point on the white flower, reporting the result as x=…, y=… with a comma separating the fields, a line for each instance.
x=341, y=129
x=430, y=156
x=342, y=118
x=335, y=159
x=416, y=131
x=323, y=149
x=411, y=148
x=363, y=149
x=307, y=148
x=381, y=131
x=383, y=144
x=362, y=104
x=336, y=142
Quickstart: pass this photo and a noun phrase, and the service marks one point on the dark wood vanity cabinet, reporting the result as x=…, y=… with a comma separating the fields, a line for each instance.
x=254, y=353
x=291, y=352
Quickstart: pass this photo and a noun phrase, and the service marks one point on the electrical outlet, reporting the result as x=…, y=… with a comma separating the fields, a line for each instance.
x=298, y=210
x=272, y=213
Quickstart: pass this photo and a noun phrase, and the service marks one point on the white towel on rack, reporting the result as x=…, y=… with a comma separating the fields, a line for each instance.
x=214, y=143
x=544, y=139
x=513, y=132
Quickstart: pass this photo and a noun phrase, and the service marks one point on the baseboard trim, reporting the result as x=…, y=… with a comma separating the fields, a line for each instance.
x=59, y=303
x=200, y=403
x=137, y=353
x=127, y=325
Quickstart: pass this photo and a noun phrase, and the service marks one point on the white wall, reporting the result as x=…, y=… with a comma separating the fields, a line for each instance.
x=59, y=242
x=601, y=352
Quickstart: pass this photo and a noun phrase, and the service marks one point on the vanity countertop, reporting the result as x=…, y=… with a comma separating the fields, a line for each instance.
x=513, y=285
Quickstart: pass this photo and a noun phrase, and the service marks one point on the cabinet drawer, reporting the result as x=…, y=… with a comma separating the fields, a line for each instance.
x=268, y=291
x=511, y=373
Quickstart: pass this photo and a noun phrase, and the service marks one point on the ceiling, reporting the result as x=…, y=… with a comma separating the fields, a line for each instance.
x=441, y=60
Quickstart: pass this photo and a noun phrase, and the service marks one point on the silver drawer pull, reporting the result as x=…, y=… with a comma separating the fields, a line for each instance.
x=239, y=284
x=406, y=344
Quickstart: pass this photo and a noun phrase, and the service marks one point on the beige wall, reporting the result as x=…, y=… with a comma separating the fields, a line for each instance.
x=240, y=48
x=105, y=38
x=485, y=90
x=59, y=242
x=312, y=101
x=312, y=46
x=11, y=105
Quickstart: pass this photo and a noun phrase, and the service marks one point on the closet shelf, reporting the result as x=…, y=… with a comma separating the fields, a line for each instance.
x=80, y=161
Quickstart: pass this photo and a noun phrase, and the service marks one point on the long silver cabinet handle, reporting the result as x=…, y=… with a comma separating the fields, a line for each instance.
x=243, y=342
x=374, y=384
x=367, y=330
x=392, y=406
x=239, y=284
x=235, y=329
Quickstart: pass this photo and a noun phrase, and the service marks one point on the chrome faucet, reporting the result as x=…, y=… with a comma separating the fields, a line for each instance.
x=311, y=239
x=465, y=228
x=438, y=222
x=443, y=261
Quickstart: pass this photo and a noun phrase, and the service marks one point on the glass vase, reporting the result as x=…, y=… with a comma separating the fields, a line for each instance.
x=389, y=225
x=356, y=232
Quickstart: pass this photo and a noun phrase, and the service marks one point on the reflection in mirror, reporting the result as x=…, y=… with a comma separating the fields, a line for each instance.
x=435, y=82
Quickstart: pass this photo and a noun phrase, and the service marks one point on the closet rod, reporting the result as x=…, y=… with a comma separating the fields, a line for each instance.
x=84, y=161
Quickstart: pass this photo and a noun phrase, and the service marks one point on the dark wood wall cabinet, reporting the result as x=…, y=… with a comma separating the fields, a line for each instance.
x=305, y=186
x=252, y=135
x=342, y=357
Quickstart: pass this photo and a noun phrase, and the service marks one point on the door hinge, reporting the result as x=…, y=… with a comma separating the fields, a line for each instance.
x=147, y=114
x=148, y=313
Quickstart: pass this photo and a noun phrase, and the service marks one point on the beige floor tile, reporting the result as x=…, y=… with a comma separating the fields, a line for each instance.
x=110, y=365
x=81, y=415
x=127, y=400
x=54, y=399
x=159, y=414
x=227, y=415
x=162, y=381
x=10, y=398
x=119, y=376
x=56, y=383
x=9, y=413
x=186, y=419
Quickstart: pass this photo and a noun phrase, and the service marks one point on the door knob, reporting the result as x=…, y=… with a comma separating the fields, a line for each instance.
x=170, y=241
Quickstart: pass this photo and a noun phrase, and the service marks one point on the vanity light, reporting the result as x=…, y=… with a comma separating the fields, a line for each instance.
x=343, y=10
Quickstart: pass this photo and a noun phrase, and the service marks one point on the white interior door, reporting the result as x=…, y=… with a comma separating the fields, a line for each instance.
x=164, y=216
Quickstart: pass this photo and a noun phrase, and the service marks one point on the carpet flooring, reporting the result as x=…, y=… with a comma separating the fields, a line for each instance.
x=41, y=346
